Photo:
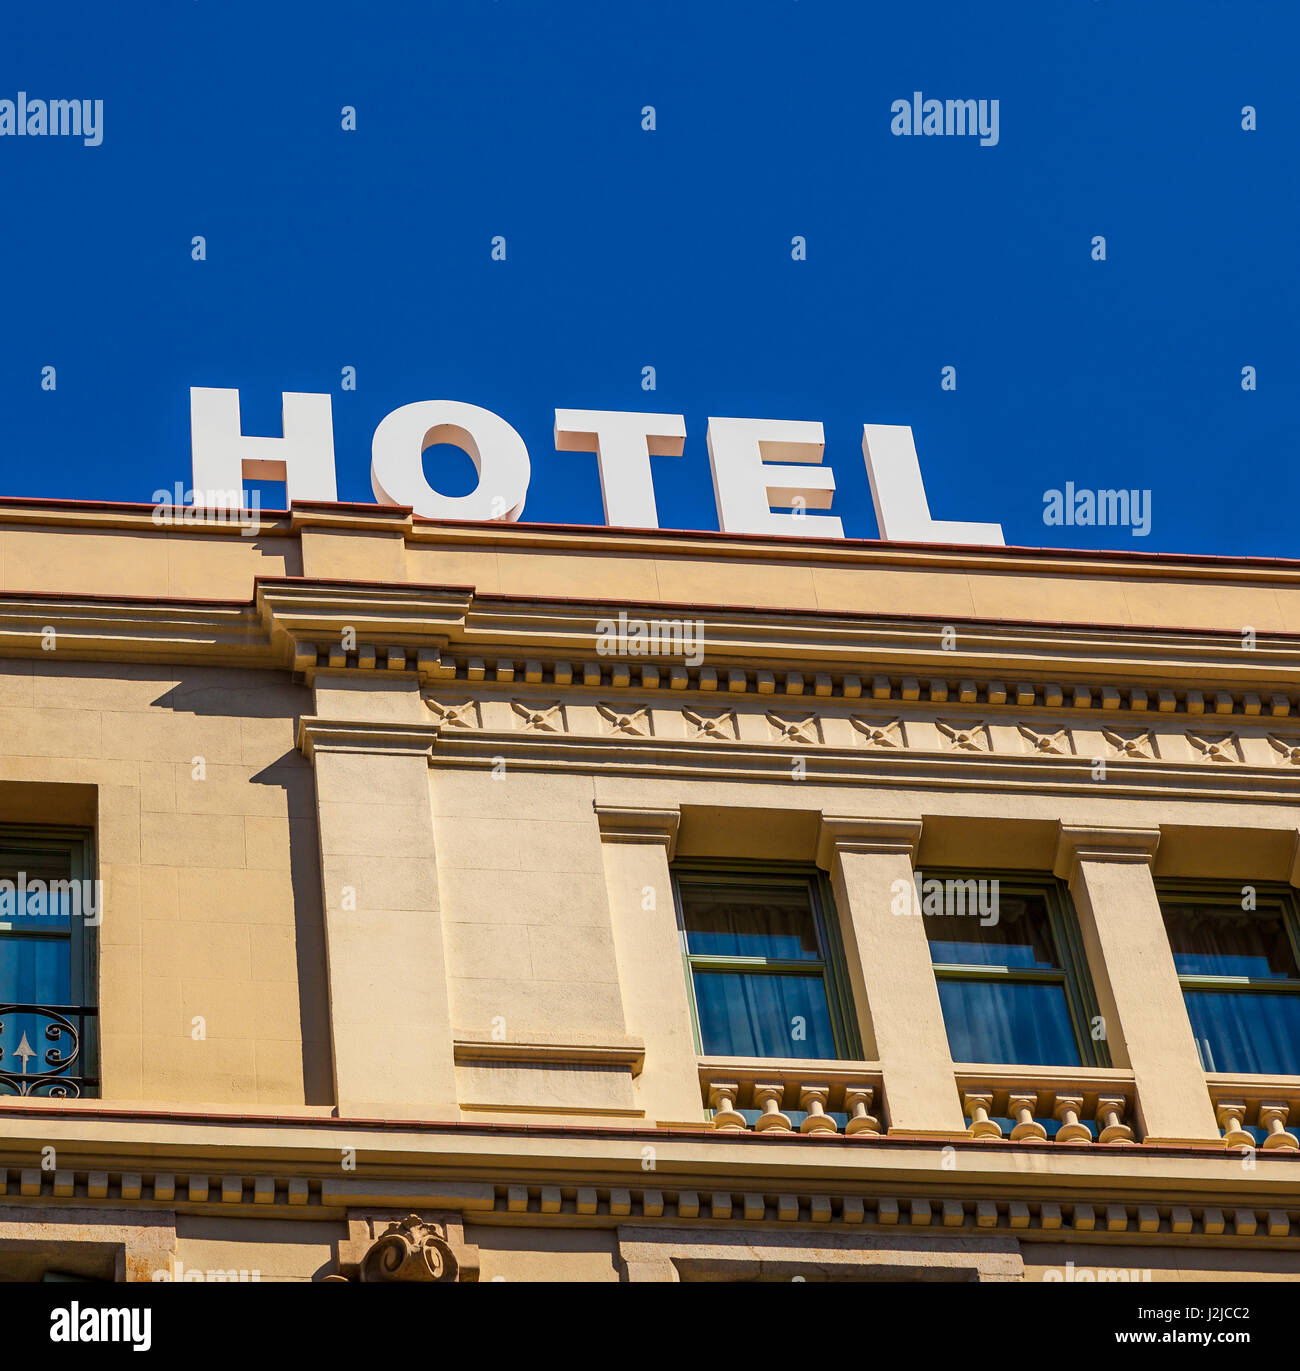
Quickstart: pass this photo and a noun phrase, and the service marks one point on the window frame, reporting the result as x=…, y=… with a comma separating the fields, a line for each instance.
x=831, y=966
x=77, y=843
x=1072, y=972
x=1189, y=890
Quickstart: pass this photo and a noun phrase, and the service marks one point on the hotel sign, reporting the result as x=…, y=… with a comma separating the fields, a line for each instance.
x=769, y=476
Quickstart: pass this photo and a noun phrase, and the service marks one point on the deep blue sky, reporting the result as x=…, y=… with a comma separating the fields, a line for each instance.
x=672, y=248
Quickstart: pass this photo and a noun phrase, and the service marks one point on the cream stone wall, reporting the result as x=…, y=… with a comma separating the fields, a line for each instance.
x=142, y=559
x=1082, y=1264
x=211, y=911
x=541, y=1255
x=524, y=906
x=422, y=898
x=246, y=1250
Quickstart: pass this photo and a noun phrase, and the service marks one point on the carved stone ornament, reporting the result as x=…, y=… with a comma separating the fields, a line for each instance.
x=407, y=1251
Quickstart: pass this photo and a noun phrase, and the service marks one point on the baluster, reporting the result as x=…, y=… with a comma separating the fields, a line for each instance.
x=1067, y=1109
x=857, y=1100
x=1110, y=1114
x=1231, y=1114
x=769, y=1097
x=813, y=1098
x=1273, y=1116
x=1027, y=1128
x=978, y=1106
x=726, y=1117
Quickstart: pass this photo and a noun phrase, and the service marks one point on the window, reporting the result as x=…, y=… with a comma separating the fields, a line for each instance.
x=49, y=906
x=1239, y=973
x=1010, y=971
x=765, y=970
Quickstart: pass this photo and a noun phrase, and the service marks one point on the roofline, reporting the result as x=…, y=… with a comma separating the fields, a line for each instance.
x=784, y=542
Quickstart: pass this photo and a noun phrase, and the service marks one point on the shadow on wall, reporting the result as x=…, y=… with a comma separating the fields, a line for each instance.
x=220, y=693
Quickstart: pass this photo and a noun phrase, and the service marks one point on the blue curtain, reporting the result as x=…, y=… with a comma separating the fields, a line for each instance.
x=745, y=1014
x=1021, y=937
x=749, y=921
x=1257, y=1034
x=34, y=970
x=1017, y=1024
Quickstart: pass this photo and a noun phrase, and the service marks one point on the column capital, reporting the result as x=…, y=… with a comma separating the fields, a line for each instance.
x=1096, y=843
x=840, y=833
x=622, y=825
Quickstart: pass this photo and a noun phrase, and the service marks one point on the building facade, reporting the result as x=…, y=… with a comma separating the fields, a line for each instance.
x=384, y=899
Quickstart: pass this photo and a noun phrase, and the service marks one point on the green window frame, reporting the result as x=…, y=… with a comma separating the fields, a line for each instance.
x=1228, y=894
x=60, y=1057
x=1070, y=971
x=828, y=968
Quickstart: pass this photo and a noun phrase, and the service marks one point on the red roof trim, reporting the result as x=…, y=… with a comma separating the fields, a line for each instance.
x=776, y=540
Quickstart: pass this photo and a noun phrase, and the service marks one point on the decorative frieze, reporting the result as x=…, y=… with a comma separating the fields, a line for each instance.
x=1287, y=749
x=1132, y=743
x=1216, y=747
x=464, y=714
x=755, y=736
x=795, y=728
x=718, y=724
x=539, y=717
x=1053, y=1220
x=443, y=665
x=412, y=1248
x=963, y=737
x=1048, y=742
x=630, y=720
x=878, y=732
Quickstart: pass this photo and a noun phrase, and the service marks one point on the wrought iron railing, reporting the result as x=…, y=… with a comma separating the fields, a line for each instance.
x=48, y=1050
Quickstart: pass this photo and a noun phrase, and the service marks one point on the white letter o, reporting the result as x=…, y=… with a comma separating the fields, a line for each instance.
x=497, y=451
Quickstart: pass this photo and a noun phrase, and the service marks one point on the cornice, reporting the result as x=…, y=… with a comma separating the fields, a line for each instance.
x=89, y=628
x=822, y=763
x=451, y=634
x=484, y=637
x=348, y=735
x=442, y=1163
x=863, y=647
x=1097, y=1209
x=295, y=609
